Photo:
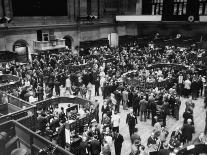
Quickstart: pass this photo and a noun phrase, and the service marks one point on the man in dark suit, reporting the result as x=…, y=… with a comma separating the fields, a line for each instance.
x=143, y=108
x=165, y=150
x=135, y=104
x=131, y=120
x=61, y=135
x=42, y=122
x=118, y=140
x=95, y=146
x=105, y=108
x=188, y=131
x=83, y=147
x=118, y=97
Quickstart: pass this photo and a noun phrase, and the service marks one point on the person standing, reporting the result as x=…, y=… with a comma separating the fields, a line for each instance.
x=177, y=108
x=188, y=131
x=95, y=146
x=135, y=104
x=118, y=140
x=115, y=122
x=97, y=85
x=83, y=147
x=151, y=101
x=118, y=98
x=131, y=120
x=143, y=108
x=68, y=85
x=125, y=99
x=187, y=86
x=106, y=150
x=180, y=85
x=205, y=130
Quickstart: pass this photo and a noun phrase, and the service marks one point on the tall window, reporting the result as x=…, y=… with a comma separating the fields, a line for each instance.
x=157, y=6
x=180, y=7
x=202, y=7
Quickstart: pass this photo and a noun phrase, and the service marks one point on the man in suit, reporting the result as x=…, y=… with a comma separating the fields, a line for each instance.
x=188, y=131
x=165, y=150
x=125, y=99
x=118, y=140
x=105, y=109
x=83, y=147
x=42, y=122
x=61, y=135
x=95, y=146
x=135, y=104
x=131, y=120
x=143, y=108
x=118, y=98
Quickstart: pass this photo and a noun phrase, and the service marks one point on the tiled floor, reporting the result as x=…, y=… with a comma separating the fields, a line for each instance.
x=145, y=128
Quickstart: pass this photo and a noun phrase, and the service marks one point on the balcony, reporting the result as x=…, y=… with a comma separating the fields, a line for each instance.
x=49, y=45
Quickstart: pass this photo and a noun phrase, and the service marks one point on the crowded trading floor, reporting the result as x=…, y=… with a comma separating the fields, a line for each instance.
x=152, y=97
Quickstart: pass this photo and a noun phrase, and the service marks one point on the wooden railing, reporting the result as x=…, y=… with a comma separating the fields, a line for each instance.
x=31, y=141
x=16, y=101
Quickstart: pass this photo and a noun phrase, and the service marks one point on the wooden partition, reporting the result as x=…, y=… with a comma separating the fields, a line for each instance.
x=75, y=100
x=19, y=114
x=4, y=109
x=29, y=139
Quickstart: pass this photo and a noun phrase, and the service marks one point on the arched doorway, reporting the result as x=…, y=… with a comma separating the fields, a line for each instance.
x=68, y=41
x=21, y=47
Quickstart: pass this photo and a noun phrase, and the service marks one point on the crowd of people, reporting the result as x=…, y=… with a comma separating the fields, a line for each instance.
x=109, y=70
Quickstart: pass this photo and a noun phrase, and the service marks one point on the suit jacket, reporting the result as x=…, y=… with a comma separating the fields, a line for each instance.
x=188, y=131
x=83, y=150
x=136, y=100
x=164, y=152
x=95, y=147
x=143, y=105
x=131, y=120
x=61, y=136
x=125, y=95
x=105, y=110
x=118, y=140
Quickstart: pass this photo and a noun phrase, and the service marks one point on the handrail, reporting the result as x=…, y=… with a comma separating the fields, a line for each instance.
x=34, y=135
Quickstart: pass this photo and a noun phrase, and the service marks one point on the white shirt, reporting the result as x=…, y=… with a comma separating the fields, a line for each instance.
x=68, y=82
x=180, y=79
x=32, y=99
x=115, y=120
x=27, y=83
x=187, y=84
x=81, y=112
